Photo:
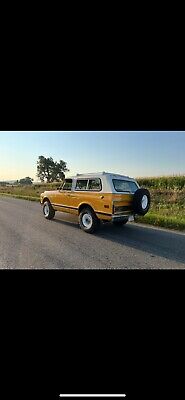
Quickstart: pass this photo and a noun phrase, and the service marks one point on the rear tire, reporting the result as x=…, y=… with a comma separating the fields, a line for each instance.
x=48, y=210
x=120, y=223
x=88, y=220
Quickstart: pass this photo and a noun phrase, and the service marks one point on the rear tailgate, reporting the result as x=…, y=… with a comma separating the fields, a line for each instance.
x=122, y=204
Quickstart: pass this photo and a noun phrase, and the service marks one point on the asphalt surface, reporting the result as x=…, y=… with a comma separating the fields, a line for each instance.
x=28, y=240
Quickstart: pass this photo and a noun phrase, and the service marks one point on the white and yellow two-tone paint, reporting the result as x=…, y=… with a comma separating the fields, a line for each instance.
x=106, y=202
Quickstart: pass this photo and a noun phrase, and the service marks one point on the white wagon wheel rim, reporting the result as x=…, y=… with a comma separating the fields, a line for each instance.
x=46, y=209
x=144, y=202
x=87, y=220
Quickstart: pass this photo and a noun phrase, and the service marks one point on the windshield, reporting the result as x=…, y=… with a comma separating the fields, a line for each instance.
x=121, y=185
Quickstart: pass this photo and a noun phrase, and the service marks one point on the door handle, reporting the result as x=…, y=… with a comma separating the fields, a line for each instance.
x=101, y=197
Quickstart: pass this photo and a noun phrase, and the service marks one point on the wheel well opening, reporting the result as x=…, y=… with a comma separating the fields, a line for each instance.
x=45, y=199
x=84, y=206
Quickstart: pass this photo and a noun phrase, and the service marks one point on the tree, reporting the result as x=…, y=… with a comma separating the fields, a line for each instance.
x=26, y=181
x=49, y=170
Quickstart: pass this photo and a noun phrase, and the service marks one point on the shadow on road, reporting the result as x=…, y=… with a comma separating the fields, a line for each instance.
x=68, y=223
x=154, y=241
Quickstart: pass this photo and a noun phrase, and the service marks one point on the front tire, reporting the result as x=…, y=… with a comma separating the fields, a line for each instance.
x=48, y=210
x=88, y=220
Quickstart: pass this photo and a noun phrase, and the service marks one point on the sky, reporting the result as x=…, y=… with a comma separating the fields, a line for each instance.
x=136, y=154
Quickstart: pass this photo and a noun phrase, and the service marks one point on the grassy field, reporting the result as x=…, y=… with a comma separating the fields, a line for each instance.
x=167, y=199
x=29, y=191
x=163, y=182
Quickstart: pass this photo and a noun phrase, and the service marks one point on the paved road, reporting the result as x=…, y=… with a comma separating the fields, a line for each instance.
x=27, y=240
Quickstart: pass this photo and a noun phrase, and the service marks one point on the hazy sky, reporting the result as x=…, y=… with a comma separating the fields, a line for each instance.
x=130, y=153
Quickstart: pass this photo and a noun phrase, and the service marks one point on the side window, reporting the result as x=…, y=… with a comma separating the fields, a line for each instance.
x=94, y=184
x=67, y=184
x=81, y=184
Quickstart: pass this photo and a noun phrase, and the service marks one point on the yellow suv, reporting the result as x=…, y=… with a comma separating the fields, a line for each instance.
x=95, y=197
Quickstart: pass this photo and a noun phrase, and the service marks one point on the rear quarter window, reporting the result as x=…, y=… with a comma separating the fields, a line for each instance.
x=89, y=184
x=95, y=184
x=81, y=184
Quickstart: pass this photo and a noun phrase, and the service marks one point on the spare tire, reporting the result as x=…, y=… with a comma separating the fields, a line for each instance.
x=141, y=201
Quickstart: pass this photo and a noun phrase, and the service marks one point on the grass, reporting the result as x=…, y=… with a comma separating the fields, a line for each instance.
x=167, y=199
x=172, y=222
x=27, y=190
x=18, y=196
x=167, y=209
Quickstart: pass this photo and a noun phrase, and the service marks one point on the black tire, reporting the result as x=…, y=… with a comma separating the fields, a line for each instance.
x=48, y=210
x=119, y=223
x=141, y=201
x=88, y=220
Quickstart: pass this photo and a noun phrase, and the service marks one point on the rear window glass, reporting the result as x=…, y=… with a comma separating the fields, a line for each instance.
x=67, y=184
x=81, y=184
x=121, y=185
x=94, y=184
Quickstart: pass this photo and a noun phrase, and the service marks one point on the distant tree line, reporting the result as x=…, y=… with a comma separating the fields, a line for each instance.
x=48, y=171
x=4, y=183
x=25, y=181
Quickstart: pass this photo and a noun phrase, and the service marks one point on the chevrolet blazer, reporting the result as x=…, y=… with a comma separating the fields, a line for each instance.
x=97, y=197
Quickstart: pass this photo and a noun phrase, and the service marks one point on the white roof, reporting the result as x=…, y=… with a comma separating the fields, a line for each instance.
x=97, y=174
